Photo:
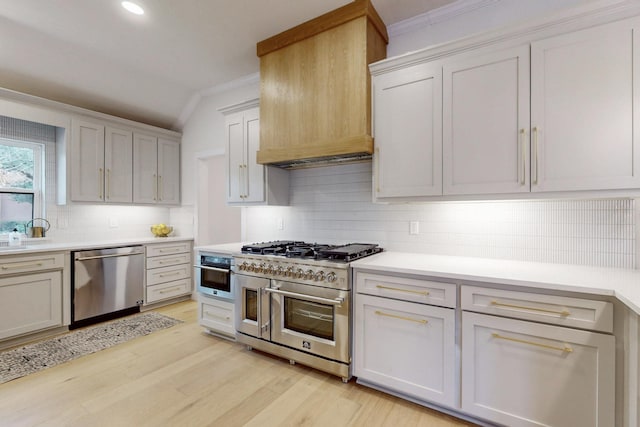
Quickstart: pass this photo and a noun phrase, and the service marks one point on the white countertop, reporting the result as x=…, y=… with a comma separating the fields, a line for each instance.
x=32, y=247
x=623, y=284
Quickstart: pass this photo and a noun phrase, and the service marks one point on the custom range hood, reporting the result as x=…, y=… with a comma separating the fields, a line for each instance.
x=315, y=88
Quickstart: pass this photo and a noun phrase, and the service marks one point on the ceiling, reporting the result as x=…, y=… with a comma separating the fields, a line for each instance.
x=96, y=55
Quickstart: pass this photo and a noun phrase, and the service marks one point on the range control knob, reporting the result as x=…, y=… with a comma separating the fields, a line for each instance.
x=331, y=277
x=319, y=277
x=309, y=274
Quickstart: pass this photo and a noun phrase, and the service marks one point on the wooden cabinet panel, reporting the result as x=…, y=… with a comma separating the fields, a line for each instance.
x=485, y=122
x=585, y=109
x=30, y=302
x=408, y=132
x=406, y=347
x=519, y=373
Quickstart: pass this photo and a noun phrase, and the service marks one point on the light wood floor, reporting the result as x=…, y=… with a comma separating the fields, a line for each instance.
x=182, y=376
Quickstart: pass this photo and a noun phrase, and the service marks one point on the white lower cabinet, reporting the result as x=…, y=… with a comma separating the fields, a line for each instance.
x=216, y=315
x=521, y=373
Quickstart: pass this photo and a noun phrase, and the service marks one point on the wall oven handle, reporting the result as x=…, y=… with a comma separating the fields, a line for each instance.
x=221, y=270
x=337, y=301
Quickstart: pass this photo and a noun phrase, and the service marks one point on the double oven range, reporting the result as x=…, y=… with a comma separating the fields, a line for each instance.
x=293, y=300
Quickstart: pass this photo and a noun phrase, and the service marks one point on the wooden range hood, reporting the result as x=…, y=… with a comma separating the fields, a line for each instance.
x=315, y=88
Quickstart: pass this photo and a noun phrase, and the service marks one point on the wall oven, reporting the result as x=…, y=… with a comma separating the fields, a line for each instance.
x=213, y=275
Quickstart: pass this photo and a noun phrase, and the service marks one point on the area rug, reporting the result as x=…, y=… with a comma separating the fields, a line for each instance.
x=31, y=358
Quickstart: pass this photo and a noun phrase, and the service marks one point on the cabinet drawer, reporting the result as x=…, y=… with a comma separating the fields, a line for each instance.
x=565, y=311
x=168, y=290
x=522, y=374
x=406, y=347
x=216, y=315
x=168, y=274
x=32, y=263
x=168, y=248
x=169, y=260
x=421, y=291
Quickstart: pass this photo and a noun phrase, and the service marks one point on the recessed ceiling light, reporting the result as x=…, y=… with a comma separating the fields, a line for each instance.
x=132, y=7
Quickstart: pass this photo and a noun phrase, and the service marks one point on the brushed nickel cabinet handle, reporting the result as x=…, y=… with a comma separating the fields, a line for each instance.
x=565, y=349
x=395, y=316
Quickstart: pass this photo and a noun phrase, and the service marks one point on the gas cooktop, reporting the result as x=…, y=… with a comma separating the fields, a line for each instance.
x=299, y=249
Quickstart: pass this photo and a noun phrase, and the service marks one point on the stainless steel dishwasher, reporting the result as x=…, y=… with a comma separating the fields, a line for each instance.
x=107, y=283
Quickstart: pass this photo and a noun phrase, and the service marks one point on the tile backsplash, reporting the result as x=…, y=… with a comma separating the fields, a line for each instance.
x=333, y=204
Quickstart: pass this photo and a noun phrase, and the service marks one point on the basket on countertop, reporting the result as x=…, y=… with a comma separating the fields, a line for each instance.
x=161, y=230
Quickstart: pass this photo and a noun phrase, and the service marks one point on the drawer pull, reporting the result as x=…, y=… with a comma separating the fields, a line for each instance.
x=563, y=313
x=565, y=349
x=21, y=265
x=425, y=293
x=166, y=291
x=209, y=314
x=395, y=316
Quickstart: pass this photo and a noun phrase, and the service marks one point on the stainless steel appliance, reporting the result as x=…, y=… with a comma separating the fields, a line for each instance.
x=294, y=301
x=213, y=275
x=107, y=283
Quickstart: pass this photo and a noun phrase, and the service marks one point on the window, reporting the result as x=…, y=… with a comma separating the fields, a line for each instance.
x=21, y=183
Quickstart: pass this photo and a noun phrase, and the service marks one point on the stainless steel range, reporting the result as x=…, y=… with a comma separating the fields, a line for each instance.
x=294, y=301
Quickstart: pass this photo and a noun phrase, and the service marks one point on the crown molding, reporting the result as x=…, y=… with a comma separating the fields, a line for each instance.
x=436, y=16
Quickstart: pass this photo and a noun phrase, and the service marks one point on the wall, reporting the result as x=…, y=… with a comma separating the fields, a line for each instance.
x=333, y=205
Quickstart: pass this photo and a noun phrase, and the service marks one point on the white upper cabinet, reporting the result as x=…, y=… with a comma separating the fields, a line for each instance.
x=485, y=123
x=156, y=171
x=408, y=132
x=118, y=164
x=584, y=105
x=250, y=183
x=101, y=163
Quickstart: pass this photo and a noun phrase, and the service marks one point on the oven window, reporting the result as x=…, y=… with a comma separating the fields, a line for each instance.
x=251, y=305
x=218, y=280
x=309, y=318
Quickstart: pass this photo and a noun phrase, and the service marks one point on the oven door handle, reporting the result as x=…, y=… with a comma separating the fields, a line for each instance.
x=337, y=301
x=221, y=270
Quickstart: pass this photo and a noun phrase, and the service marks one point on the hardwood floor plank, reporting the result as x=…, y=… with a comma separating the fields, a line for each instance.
x=184, y=377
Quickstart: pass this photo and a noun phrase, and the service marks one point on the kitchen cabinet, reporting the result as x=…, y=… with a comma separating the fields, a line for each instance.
x=168, y=271
x=250, y=183
x=101, y=163
x=485, y=123
x=217, y=316
x=31, y=293
x=402, y=343
x=584, y=109
x=408, y=132
x=156, y=170
x=518, y=372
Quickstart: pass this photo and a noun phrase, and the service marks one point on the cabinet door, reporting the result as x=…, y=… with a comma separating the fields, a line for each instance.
x=408, y=132
x=406, y=347
x=520, y=373
x=87, y=162
x=118, y=164
x=585, y=103
x=30, y=302
x=254, y=172
x=168, y=172
x=235, y=157
x=145, y=168
x=485, y=123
